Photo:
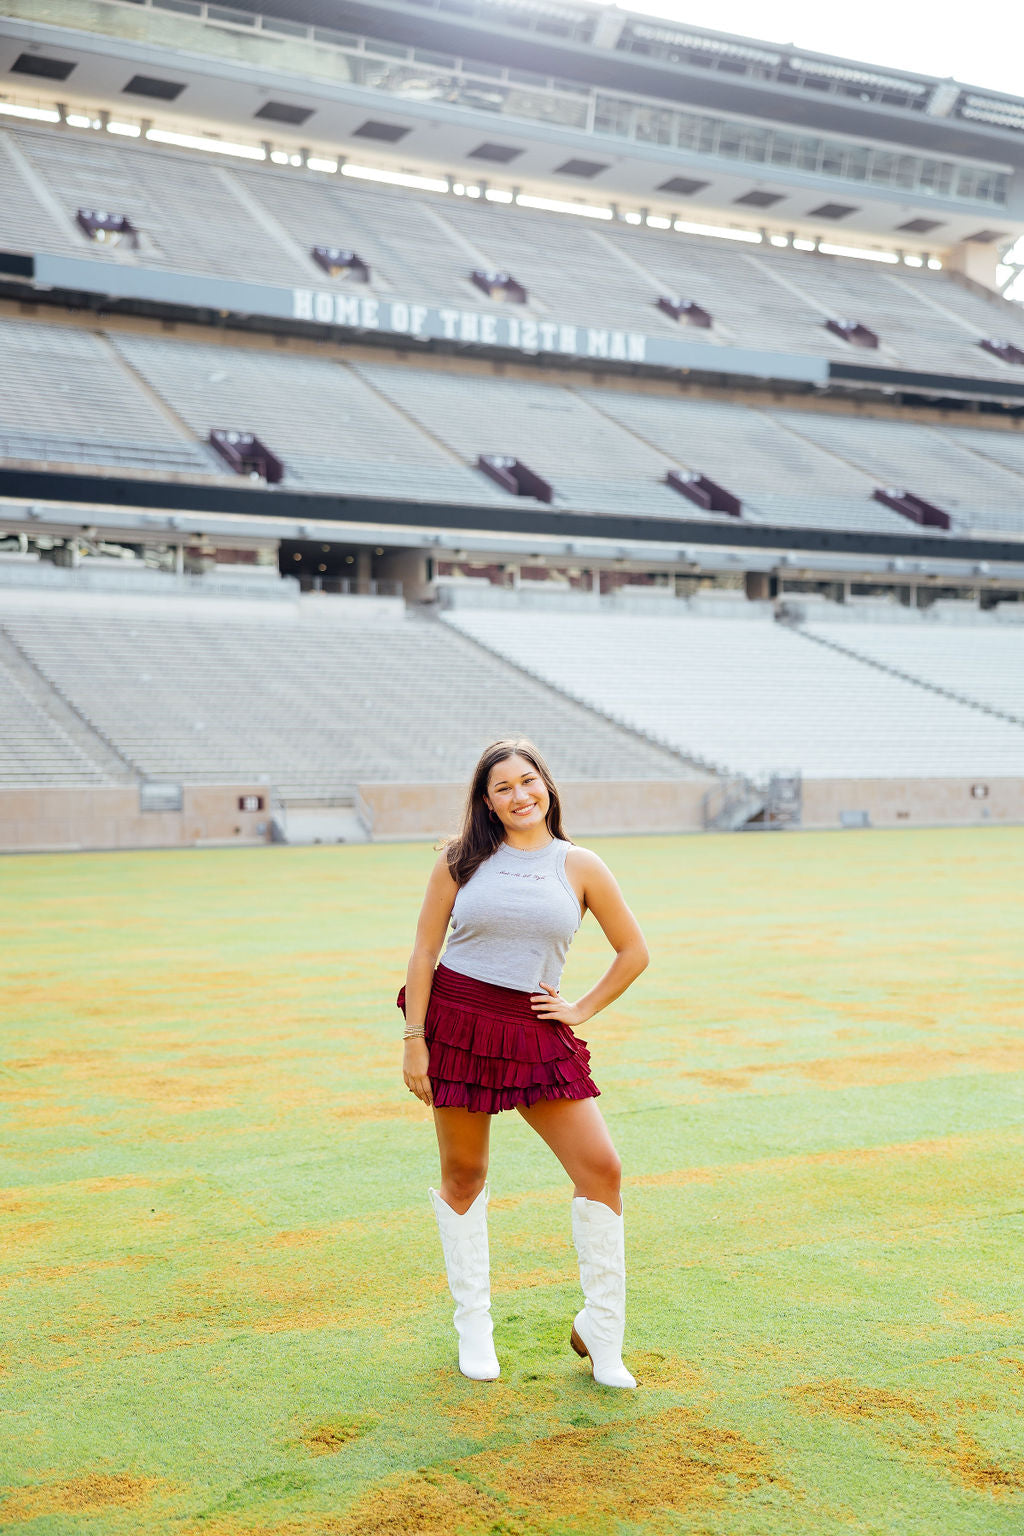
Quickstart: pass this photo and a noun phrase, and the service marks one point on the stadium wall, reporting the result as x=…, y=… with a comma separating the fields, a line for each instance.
x=62, y=819
x=664, y=806
x=68, y=819
x=912, y=802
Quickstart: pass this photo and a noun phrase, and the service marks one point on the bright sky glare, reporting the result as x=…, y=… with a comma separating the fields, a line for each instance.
x=987, y=50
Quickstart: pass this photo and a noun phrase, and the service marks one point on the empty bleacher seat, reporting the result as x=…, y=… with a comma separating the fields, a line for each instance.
x=64, y=397
x=332, y=432
x=756, y=697
x=36, y=748
x=983, y=662
x=313, y=706
x=930, y=462
x=591, y=462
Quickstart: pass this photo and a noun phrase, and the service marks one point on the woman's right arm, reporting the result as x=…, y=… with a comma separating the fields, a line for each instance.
x=435, y=915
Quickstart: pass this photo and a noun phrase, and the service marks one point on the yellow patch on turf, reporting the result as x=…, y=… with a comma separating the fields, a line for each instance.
x=86, y=1495
x=935, y=1434
x=427, y=1504
x=331, y=1435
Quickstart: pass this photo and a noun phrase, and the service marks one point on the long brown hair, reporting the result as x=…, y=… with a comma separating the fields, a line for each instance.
x=482, y=834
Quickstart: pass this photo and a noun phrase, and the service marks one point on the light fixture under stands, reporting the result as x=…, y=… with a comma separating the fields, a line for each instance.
x=34, y=114
x=209, y=145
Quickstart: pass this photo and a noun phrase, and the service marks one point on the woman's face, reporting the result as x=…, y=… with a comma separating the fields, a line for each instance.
x=517, y=794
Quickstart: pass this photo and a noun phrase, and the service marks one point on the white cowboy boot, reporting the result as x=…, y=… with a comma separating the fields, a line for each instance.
x=464, y=1240
x=597, y=1331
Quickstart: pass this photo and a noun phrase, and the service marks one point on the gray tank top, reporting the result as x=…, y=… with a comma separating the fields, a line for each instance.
x=514, y=919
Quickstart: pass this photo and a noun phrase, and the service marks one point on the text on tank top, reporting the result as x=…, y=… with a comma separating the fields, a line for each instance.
x=514, y=919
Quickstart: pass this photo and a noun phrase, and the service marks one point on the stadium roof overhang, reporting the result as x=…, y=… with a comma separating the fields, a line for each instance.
x=223, y=96
x=480, y=31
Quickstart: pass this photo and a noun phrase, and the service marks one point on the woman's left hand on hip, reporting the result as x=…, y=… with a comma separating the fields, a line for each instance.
x=550, y=1004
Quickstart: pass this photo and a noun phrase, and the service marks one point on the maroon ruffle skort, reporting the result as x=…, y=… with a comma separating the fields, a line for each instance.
x=489, y=1051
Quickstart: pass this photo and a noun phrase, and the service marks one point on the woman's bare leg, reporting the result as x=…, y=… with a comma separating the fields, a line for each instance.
x=463, y=1140
x=575, y=1131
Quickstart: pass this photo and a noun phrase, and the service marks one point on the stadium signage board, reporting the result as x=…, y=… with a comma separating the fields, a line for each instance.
x=389, y=316
x=469, y=326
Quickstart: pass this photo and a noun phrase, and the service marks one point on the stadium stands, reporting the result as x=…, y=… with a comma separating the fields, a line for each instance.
x=825, y=467
x=141, y=402
x=41, y=741
x=592, y=278
x=94, y=690
x=975, y=490
x=750, y=307
x=32, y=749
x=976, y=313
x=32, y=221
x=919, y=321
x=406, y=245
x=313, y=706
x=589, y=460
x=1006, y=448
x=65, y=398
x=189, y=215
x=980, y=663
x=261, y=225
x=756, y=697
x=779, y=475
x=331, y=431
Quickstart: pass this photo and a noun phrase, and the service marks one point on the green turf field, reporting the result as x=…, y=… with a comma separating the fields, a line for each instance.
x=224, y=1308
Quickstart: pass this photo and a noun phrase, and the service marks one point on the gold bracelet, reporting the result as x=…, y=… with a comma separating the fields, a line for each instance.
x=414, y=1034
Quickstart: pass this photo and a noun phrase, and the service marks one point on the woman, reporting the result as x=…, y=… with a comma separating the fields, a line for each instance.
x=488, y=1030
